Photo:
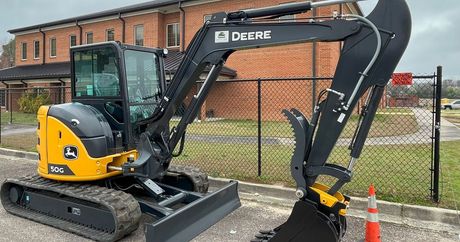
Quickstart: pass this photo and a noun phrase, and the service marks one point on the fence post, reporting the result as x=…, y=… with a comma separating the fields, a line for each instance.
x=259, y=127
x=1, y=124
x=313, y=69
x=437, y=134
x=10, y=104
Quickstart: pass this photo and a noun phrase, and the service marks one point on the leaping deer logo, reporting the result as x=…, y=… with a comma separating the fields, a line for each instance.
x=70, y=152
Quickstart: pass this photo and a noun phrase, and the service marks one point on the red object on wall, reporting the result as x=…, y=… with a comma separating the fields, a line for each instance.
x=402, y=79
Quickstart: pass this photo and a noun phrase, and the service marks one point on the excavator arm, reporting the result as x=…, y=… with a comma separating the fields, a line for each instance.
x=372, y=48
x=128, y=182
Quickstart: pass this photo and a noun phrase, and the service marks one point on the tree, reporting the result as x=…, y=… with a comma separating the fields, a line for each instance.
x=450, y=89
x=7, y=58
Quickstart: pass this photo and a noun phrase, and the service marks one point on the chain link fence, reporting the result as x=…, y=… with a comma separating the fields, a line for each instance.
x=19, y=105
x=240, y=133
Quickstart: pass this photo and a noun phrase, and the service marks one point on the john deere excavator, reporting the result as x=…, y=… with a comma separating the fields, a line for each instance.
x=105, y=158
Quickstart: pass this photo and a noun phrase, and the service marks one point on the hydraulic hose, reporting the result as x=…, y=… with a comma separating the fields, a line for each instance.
x=374, y=58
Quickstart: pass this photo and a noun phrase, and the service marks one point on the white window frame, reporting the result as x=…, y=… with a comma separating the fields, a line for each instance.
x=178, y=37
x=135, y=36
x=86, y=37
x=207, y=15
x=107, y=34
x=51, y=47
x=70, y=40
x=22, y=51
x=35, y=50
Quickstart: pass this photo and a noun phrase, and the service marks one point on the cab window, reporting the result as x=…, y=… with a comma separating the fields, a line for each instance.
x=96, y=73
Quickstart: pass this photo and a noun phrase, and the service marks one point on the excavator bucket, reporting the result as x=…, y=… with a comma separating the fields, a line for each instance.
x=318, y=217
x=306, y=223
x=188, y=221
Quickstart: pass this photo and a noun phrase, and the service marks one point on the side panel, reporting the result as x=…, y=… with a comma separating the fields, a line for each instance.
x=66, y=158
x=42, y=138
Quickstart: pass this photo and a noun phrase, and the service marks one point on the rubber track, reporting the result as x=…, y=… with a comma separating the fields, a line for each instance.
x=264, y=236
x=123, y=206
x=195, y=175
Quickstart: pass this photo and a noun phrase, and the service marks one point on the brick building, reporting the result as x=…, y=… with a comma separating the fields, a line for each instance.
x=42, y=51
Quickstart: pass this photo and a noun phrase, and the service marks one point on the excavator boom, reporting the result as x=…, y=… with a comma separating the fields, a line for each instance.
x=372, y=48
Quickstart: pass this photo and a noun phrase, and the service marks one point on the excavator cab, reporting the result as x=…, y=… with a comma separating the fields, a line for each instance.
x=85, y=146
x=124, y=83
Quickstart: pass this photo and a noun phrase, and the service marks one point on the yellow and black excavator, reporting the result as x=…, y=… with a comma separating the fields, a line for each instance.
x=105, y=158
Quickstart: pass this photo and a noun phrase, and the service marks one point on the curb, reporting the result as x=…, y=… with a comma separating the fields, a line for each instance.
x=19, y=154
x=412, y=215
x=416, y=216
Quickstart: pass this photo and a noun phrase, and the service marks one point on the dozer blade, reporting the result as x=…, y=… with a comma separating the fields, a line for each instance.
x=194, y=218
x=305, y=224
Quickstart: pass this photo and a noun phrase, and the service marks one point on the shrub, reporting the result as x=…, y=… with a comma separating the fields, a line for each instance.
x=30, y=102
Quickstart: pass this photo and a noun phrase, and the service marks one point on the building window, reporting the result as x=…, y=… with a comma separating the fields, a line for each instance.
x=173, y=35
x=36, y=49
x=89, y=38
x=207, y=18
x=3, y=97
x=53, y=47
x=110, y=35
x=24, y=51
x=139, y=35
x=73, y=40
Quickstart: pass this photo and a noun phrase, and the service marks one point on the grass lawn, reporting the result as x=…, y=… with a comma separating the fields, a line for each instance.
x=19, y=118
x=387, y=122
x=452, y=116
x=400, y=172
x=450, y=173
x=25, y=142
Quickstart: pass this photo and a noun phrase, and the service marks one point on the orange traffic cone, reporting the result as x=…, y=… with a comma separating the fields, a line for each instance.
x=372, y=221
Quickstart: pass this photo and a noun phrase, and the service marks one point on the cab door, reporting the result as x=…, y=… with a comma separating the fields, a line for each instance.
x=97, y=81
x=144, y=84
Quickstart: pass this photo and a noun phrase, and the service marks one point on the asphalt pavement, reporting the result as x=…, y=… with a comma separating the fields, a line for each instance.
x=241, y=225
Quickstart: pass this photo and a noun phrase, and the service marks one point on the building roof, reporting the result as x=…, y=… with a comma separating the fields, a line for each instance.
x=174, y=59
x=62, y=69
x=123, y=10
x=28, y=72
x=111, y=12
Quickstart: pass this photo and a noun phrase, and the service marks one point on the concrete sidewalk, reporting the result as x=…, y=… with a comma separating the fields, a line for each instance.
x=449, y=132
x=424, y=117
x=12, y=129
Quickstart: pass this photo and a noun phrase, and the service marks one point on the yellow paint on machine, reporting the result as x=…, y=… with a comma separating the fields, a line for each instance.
x=41, y=134
x=54, y=135
x=327, y=199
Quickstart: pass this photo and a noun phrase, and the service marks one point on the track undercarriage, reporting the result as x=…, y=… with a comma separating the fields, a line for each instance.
x=110, y=211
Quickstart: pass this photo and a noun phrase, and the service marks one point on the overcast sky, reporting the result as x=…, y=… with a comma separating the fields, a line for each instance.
x=435, y=39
